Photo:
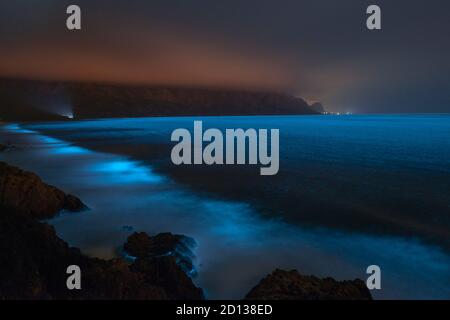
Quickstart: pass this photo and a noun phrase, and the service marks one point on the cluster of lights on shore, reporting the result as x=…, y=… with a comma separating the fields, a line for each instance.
x=337, y=113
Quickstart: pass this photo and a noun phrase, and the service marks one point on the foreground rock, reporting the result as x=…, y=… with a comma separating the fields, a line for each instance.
x=33, y=262
x=26, y=192
x=166, y=260
x=141, y=245
x=291, y=285
x=164, y=272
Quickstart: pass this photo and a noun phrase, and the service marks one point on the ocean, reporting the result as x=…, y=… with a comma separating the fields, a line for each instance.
x=352, y=191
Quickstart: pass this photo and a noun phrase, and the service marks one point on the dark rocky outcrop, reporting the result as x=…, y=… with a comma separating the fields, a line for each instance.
x=165, y=259
x=164, y=272
x=23, y=100
x=291, y=285
x=141, y=245
x=33, y=262
x=26, y=192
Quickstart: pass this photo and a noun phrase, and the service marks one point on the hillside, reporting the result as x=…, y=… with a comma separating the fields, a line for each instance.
x=38, y=100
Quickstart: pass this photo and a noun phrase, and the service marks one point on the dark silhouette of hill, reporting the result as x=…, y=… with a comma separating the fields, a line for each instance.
x=42, y=100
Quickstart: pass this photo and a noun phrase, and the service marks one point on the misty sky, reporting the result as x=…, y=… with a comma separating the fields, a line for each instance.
x=316, y=49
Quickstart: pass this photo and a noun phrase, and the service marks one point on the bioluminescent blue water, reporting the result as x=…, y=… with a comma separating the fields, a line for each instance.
x=352, y=191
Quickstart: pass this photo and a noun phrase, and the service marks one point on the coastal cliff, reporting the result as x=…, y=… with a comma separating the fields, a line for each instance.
x=318, y=107
x=38, y=100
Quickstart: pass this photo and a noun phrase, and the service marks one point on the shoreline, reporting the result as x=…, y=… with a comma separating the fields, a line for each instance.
x=219, y=188
x=68, y=221
x=149, y=255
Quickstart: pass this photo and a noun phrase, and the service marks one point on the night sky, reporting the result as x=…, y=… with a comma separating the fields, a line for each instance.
x=316, y=49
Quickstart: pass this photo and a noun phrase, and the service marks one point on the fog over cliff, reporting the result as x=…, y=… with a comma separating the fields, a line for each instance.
x=40, y=100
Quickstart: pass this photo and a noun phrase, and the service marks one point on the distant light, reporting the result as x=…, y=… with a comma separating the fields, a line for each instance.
x=66, y=111
x=68, y=115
